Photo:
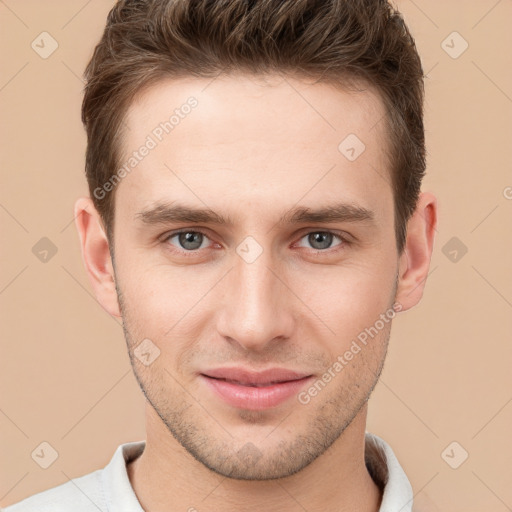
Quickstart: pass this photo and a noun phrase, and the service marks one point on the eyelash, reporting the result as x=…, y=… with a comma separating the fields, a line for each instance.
x=343, y=239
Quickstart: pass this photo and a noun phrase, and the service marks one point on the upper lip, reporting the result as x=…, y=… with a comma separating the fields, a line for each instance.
x=242, y=376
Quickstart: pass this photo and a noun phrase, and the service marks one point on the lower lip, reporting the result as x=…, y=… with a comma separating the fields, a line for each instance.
x=248, y=397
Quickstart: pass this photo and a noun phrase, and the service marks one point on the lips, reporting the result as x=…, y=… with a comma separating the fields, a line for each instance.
x=255, y=379
x=245, y=389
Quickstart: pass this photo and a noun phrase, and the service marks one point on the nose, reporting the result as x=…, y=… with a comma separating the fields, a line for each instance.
x=256, y=305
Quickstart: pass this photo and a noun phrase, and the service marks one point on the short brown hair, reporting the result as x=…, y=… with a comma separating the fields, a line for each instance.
x=334, y=41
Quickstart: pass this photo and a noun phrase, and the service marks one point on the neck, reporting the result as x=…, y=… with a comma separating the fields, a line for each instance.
x=336, y=481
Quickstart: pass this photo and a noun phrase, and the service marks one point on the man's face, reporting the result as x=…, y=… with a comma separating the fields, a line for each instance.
x=255, y=293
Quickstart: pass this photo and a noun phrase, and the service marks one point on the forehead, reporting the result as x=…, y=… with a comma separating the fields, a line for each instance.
x=260, y=142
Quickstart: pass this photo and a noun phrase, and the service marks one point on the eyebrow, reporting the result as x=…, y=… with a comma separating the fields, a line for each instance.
x=167, y=213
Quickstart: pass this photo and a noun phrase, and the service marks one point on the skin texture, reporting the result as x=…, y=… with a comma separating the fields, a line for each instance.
x=253, y=149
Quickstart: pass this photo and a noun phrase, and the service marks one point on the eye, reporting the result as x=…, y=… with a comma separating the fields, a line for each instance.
x=187, y=240
x=322, y=240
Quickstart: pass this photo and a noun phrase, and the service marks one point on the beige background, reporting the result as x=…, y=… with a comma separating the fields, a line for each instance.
x=65, y=376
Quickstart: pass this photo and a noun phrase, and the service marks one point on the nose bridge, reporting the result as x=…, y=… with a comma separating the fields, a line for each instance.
x=256, y=285
x=255, y=311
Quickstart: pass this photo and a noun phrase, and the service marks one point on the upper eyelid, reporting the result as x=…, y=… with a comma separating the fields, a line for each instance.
x=170, y=234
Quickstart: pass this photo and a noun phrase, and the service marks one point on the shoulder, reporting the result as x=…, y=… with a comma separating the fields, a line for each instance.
x=93, y=492
x=82, y=494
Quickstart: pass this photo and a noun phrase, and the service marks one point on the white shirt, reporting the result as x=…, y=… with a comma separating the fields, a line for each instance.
x=109, y=489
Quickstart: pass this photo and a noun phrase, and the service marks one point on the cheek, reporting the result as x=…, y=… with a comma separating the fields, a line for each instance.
x=348, y=299
x=151, y=303
x=166, y=306
x=155, y=290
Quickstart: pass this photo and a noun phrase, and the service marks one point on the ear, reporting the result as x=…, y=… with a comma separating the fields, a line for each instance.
x=415, y=259
x=96, y=254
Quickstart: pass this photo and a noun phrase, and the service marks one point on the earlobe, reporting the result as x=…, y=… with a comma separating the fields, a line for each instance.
x=96, y=255
x=415, y=260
